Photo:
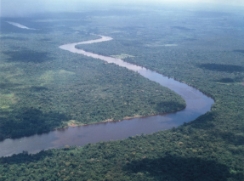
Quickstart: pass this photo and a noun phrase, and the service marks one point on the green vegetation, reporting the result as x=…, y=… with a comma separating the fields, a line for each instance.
x=209, y=148
x=44, y=87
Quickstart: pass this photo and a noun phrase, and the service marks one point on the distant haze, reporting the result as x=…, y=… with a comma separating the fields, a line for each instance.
x=27, y=7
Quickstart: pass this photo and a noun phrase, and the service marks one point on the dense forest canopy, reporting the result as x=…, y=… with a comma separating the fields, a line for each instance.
x=201, y=47
x=44, y=87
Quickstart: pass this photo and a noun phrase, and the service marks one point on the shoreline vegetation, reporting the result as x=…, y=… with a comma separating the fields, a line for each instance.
x=44, y=87
x=209, y=148
x=74, y=123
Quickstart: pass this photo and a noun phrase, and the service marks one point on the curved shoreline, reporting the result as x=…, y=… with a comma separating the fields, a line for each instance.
x=72, y=125
x=196, y=104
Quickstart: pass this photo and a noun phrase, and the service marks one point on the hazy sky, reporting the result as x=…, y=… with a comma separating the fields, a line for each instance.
x=26, y=7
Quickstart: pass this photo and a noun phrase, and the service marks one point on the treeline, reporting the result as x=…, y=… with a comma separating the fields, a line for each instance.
x=29, y=121
x=44, y=87
x=186, y=153
x=209, y=148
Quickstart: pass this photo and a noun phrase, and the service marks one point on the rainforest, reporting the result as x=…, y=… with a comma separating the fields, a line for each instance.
x=45, y=88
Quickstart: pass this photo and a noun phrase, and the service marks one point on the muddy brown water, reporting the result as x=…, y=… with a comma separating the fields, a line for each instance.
x=196, y=104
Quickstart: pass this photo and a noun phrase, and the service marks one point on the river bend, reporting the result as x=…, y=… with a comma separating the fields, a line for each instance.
x=196, y=104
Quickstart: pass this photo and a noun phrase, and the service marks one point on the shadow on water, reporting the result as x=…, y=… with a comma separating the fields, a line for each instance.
x=26, y=122
x=222, y=67
x=180, y=169
x=27, y=56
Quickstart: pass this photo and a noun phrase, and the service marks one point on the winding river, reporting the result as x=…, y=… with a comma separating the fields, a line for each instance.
x=196, y=104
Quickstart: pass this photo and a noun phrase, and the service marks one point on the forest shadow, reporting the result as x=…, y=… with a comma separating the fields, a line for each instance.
x=230, y=80
x=169, y=106
x=211, y=14
x=25, y=157
x=38, y=88
x=29, y=121
x=182, y=28
x=180, y=169
x=222, y=67
x=204, y=122
x=239, y=51
x=230, y=137
x=27, y=56
x=13, y=38
x=45, y=39
x=226, y=80
x=190, y=39
x=9, y=85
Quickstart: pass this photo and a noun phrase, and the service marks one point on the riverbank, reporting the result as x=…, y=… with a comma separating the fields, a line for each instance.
x=196, y=104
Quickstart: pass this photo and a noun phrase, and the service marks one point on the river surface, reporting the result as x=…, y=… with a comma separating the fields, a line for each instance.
x=196, y=104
